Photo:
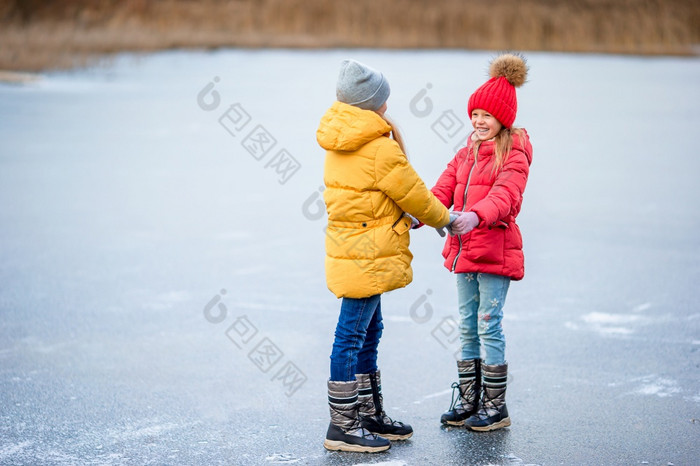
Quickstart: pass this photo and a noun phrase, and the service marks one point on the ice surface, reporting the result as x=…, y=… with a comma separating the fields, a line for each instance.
x=129, y=202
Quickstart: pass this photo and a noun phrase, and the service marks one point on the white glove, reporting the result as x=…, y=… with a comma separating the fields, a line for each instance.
x=466, y=222
x=441, y=231
x=414, y=220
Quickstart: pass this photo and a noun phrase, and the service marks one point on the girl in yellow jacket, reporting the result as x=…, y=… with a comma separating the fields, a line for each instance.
x=370, y=186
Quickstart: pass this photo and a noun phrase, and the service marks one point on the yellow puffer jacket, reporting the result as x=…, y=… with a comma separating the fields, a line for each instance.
x=369, y=186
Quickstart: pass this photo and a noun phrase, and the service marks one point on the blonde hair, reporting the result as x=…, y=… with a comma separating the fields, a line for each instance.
x=502, y=145
x=396, y=134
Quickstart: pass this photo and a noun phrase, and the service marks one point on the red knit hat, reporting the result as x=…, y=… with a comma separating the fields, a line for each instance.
x=497, y=95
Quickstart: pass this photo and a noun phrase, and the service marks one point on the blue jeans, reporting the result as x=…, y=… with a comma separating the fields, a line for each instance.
x=481, y=297
x=356, y=338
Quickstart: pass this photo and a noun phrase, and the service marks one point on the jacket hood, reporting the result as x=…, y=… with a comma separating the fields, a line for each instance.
x=523, y=143
x=347, y=128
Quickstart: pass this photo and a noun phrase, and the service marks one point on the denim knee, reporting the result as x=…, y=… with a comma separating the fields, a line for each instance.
x=355, y=320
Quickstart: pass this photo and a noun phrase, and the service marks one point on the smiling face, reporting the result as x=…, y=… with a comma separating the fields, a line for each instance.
x=486, y=126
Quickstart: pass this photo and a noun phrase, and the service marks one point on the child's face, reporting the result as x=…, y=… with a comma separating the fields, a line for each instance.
x=486, y=126
x=381, y=110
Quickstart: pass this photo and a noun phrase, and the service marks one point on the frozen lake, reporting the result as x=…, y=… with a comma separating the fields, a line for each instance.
x=160, y=225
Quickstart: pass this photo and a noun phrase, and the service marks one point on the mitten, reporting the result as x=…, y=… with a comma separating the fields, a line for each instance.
x=414, y=221
x=467, y=222
x=441, y=231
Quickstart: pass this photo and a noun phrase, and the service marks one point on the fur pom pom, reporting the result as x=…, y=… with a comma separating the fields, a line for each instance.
x=511, y=66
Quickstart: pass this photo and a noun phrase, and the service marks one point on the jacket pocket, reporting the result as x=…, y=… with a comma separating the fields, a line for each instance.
x=486, y=245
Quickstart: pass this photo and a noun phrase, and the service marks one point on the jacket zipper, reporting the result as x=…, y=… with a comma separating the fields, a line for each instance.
x=464, y=204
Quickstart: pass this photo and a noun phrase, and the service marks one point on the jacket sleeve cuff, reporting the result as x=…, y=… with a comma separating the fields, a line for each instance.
x=482, y=219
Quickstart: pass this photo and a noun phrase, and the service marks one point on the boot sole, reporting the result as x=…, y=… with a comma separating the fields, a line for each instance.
x=396, y=437
x=498, y=425
x=453, y=423
x=337, y=445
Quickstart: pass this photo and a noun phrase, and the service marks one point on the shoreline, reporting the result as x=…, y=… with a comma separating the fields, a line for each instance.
x=65, y=34
x=76, y=61
x=18, y=77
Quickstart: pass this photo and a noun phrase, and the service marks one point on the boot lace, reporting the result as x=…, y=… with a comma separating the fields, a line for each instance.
x=355, y=428
x=381, y=415
x=457, y=403
x=389, y=421
x=455, y=389
x=488, y=406
x=384, y=417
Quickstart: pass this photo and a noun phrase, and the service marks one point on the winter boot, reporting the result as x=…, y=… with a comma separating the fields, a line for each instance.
x=466, y=403
x=371, y=409
x=493, y=413
x=345, y=432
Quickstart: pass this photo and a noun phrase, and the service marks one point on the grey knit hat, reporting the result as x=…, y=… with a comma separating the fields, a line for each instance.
x=361, y=86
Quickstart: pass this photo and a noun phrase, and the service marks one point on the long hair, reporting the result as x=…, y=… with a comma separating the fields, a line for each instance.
x=396, y=134
x=503, y=145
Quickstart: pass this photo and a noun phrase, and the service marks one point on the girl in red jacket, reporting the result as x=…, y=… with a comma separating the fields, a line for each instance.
x=484, y=182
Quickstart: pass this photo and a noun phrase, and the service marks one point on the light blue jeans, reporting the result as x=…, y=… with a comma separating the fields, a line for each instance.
x=481, y=297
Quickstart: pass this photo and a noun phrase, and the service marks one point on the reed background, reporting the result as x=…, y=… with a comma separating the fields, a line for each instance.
x=36, y=34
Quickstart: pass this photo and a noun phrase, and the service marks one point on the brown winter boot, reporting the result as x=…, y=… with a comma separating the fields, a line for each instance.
x=493, y=413
x=345, y=432
x=466, y=402
x=371, y=409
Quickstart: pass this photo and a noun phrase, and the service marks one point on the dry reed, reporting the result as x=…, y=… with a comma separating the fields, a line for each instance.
x=35, y=34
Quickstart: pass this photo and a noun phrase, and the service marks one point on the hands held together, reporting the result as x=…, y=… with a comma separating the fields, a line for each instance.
x=463, y=223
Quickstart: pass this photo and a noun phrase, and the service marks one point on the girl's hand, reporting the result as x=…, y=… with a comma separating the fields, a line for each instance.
x=465, y=223
x=414, y=221
x=453, y=216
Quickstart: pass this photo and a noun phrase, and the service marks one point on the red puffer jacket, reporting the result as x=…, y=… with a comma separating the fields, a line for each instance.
x=495, y=246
